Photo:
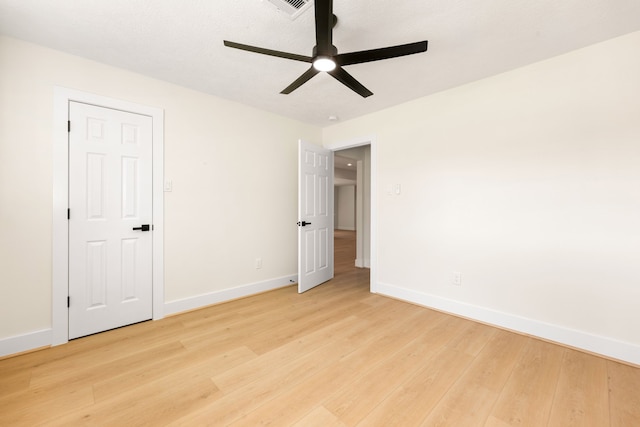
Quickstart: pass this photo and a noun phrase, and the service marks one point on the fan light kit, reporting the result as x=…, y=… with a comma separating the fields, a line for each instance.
x=325, y=56
x=323, y=63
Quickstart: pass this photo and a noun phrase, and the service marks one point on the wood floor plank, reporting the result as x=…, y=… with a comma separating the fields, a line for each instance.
x=295, y=328
x=527, y=396
x=411, y=403
x=155, y=399
x=288, y=356
x=581, y=397
x=87, y=373
x=473, y=339
x=108, y=349
x=224, y=333
x=471, y=398
x=624, y=395
x=14, y=380
x=208, y=362
x=290, y=404
x=319, y=417
x=354, y=400
x=152, y=404
x=272, y=379
x=36, y=406
x=263, y=331
x=492, y=421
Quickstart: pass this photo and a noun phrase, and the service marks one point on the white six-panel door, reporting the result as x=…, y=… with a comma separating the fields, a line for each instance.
x=110, y=194
x=315, y=215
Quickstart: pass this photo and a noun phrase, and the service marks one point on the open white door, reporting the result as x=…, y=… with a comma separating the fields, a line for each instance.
x=315, y=215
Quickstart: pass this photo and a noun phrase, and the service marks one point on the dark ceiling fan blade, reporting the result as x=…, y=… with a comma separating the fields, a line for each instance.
x=347, y=79
x=381, y=53
x=324, y=27
x=300, y=81
x=269, y=52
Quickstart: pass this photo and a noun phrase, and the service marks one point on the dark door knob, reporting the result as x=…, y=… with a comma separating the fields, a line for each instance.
x=303, y=223
x=143, y=227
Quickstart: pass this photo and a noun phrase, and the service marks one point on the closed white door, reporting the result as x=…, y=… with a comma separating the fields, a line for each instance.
x=110, y=219
x=315, y=215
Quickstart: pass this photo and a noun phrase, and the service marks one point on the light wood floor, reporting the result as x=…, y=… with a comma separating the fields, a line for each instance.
x=335, y=356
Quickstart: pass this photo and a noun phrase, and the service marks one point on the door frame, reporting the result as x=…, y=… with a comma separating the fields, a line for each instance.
x=373, y=235
x=60, y=251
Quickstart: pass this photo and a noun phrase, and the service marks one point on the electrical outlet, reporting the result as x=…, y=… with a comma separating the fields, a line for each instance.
x=457, y=278
x=258, y=263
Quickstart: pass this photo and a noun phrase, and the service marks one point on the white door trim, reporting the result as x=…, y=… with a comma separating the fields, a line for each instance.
x=60, y=275
x=367, y=140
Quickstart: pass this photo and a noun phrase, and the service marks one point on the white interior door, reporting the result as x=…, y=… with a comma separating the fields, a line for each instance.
x=315, y=215
x=110, y=205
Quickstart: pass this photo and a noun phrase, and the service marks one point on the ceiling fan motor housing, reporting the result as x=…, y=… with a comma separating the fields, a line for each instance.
x=333, y=51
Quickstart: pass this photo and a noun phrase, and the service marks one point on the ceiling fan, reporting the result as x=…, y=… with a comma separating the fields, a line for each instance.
x=325, y=56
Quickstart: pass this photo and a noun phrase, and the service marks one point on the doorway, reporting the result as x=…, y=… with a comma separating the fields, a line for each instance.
x=354, y=176
x=110, y=249
x=63, y=98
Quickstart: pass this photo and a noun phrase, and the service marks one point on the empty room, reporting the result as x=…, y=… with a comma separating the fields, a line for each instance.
x=320, y=213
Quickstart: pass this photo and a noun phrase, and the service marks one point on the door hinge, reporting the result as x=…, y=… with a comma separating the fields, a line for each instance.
x=68, y=213
x=68, y=302
x=68, y=125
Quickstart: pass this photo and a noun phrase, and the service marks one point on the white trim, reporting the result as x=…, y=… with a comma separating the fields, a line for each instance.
x=373, y=255
x=362, y=264
x=604, y=346
x=199, y=301
x=360, y=190
x=21, y=343
x=61, y=98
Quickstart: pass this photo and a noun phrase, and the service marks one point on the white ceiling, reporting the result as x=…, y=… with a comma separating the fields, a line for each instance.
x=181, y=42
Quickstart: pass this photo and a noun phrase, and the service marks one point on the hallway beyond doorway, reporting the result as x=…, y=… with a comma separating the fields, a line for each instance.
x=344, y=248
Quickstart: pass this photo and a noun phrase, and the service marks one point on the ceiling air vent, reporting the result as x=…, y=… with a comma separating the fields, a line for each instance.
x=292, y=8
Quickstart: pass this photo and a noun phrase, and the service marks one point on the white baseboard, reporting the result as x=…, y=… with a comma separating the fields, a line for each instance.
x=604, y=346
x=360, y=263
x=26, y=342
x=204, y=300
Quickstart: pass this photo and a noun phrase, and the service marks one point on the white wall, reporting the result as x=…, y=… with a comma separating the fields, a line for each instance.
x=346, y=203
x=221, y=215
x=528, y=183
